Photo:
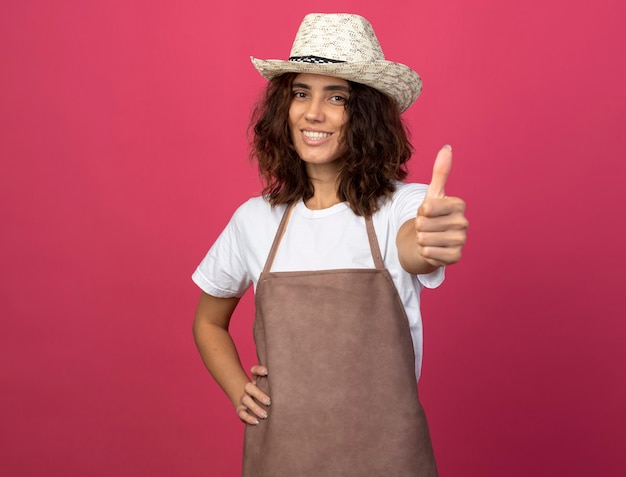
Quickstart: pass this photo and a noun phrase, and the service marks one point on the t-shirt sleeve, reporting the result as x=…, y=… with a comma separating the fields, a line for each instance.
x=223, y=272
x=407, y=199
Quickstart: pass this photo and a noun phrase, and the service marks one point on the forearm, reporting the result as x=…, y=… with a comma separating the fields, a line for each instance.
x=219, y=354
x=415, y=264
x=220, y=357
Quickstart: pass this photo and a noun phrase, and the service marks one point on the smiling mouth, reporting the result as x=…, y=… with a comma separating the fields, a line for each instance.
x=314, y=135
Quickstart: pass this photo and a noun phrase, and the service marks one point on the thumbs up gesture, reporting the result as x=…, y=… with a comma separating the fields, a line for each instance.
x=439, y=231
x=440, y=225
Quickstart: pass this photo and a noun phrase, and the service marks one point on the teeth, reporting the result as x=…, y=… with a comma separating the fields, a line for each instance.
x=315, y=134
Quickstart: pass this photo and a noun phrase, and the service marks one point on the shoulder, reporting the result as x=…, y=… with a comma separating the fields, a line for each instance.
x=253, y=206
x=256, y=208
x=401, y=206
x=255, y=215
x=406, y=196
x=408, y=190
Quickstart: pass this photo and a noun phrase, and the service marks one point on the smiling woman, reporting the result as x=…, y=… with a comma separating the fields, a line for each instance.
x=317, y=116
x=338, y=250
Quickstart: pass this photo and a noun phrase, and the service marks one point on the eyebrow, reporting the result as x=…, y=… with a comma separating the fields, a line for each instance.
x=331, y=87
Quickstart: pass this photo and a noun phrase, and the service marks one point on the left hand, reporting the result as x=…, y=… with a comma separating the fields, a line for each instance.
x=441, y=225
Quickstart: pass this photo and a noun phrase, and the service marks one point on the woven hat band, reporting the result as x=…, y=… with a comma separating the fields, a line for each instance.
x=314, y=59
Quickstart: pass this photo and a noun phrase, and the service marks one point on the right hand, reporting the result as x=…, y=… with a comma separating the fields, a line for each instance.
x=249, y=408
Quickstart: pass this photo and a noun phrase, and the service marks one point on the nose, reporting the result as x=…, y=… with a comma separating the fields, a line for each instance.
x=315, y=110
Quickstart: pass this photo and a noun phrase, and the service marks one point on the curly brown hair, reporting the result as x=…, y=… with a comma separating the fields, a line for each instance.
x=376, y=154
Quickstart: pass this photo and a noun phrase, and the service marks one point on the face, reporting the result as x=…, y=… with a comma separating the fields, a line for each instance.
x=316, y=117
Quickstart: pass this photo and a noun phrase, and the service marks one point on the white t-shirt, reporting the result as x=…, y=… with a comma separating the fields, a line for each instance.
x=324, y=239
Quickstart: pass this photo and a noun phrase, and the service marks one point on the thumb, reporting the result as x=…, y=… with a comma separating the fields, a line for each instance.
x=441, y=171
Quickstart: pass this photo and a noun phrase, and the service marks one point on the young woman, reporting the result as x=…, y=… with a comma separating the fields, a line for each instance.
x=338, y=249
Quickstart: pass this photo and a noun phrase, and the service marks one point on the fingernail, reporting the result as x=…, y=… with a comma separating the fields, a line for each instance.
x=267, y=402
x=256, y=422
x=448, y=147
x=263, y=414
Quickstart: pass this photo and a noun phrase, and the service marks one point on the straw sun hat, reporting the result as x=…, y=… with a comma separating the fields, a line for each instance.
x=345, y=46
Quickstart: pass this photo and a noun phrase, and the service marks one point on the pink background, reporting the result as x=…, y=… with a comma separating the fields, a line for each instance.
x=123, y=154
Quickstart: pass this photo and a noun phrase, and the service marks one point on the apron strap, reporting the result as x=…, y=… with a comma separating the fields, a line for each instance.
x=277, y=238
x=374, y=247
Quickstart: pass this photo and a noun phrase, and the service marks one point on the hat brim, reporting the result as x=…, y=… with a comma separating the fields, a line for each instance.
x=394, y=79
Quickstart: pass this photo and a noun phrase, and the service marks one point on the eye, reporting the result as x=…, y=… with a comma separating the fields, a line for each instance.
x=299, y=95
x=339, y=99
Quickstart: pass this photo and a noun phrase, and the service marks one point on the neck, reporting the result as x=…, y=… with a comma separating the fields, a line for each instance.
x=324, y=181
x=322, y=201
